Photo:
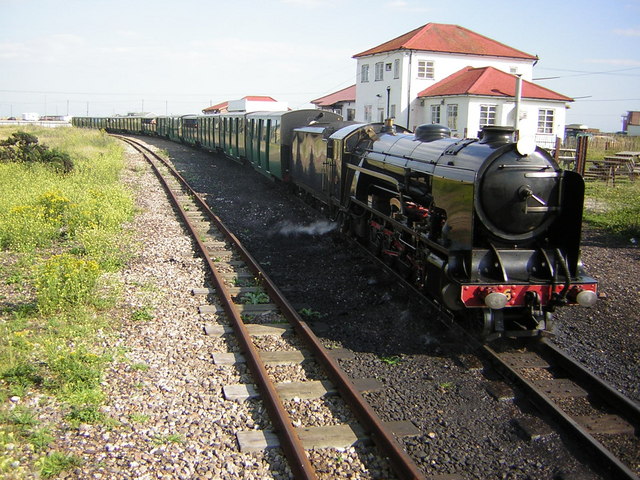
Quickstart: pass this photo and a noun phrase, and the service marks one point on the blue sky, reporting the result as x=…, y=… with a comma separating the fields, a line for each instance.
x=178, y=57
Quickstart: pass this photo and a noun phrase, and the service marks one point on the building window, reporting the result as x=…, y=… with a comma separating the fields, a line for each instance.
x=487, y=115
x=452, y=117
x=387, y=67
x=396, y=68
x=545, y=120
x=392, y=113
x=367, y=112
x=379, y=71
x=425, y=69
x=513, y=70
x=364, y=74
x=380, y=114
x=351, y=114
x=435, y=113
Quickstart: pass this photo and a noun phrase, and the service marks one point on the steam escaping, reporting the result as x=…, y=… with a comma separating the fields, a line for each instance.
x=316, y=228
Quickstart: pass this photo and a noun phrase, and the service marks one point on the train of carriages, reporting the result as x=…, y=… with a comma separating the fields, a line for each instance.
x=488, y=227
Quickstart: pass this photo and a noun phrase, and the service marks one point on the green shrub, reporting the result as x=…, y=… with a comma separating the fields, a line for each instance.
x=55, y=463
x=22, y=147
x=76, y=370
x=65, y=280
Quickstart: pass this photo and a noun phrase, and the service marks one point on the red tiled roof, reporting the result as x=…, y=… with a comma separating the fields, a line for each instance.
x=438, y=37
x=250, y=98
x=345, y=95
x=259, y=98
x=219, y=106
x=488, y=81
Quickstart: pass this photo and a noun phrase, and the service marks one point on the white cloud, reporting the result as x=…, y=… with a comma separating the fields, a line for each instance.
x=308, y=3
x=627, y=32
x=47, y=49
x=404, y=6
x=615, y=61
x=13, y=50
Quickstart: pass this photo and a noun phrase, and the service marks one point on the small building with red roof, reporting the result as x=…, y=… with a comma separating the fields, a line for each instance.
x=342, y=102
x=405, y=77
x=250, y=103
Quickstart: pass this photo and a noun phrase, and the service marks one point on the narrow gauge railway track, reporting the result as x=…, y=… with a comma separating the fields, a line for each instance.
x=218, y=238
x=594, y=415
x=604, y=422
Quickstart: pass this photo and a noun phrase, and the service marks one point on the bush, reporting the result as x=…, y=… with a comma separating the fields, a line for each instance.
x=24, y=147
x=65, y=280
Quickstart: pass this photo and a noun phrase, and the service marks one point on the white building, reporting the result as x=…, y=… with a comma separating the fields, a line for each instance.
x=251, y=103
x=342, y=102
x=438, y=74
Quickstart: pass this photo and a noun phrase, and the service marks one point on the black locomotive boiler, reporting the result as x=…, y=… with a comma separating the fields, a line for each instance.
x=488, y=227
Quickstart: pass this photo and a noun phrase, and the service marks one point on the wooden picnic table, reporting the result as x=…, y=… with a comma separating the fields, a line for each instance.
x=612, y=166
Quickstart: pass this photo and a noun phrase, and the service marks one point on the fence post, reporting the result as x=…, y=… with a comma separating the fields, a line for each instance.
x=581, y=153
x=556, y=152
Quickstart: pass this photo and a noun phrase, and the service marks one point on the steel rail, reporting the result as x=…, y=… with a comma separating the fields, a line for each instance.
x=549, y=407
x=402, y=464
x=292, y=446
x=625, y=407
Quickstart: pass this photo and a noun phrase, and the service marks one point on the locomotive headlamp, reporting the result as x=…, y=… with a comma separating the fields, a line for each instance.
x=496, y=300
x=586, y=298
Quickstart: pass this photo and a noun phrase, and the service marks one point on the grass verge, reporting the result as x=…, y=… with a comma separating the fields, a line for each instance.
x=614, y=209
x=60, y=238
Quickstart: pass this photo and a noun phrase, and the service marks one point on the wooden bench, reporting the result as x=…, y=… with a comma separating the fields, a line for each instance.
x=614, y=167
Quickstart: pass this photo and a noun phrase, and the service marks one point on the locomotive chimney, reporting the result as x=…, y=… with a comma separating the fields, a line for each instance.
x=431, y=132
x=389, y=127
x=496, y=134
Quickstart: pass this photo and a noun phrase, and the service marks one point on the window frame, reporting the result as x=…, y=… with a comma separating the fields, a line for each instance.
x=368, y=112
x=489, y=111
x=426, y=69
x=545, y=123
x=436, y=114
x=452, y=116
x=378, y=71
x=364, y=73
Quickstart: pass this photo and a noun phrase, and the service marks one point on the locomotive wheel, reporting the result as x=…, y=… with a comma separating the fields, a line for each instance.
x=375, y=241
x=485, y=324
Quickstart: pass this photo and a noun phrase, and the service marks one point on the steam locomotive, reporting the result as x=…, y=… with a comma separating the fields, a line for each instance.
x=488, y=227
